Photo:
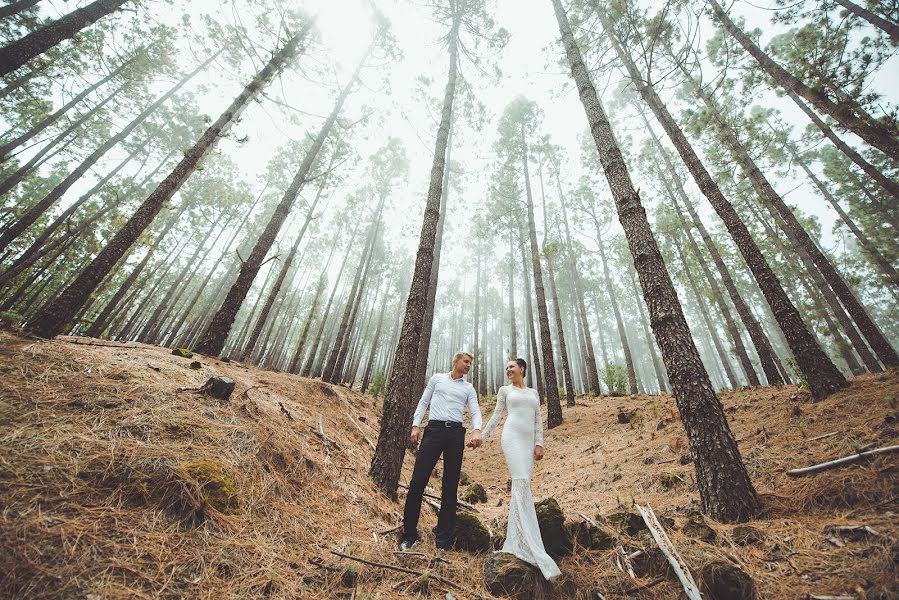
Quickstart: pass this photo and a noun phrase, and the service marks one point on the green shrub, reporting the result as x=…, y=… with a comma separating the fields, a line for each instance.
x=615, y=378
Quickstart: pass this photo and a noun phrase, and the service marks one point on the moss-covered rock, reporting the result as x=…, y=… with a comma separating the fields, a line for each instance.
x=592, y=537
x=183, y=353
x=464, y=479
x=474, y=493
x=652, y=563
x=471, y=535
x=626, y=522
x=697, y=528
x=556, y=538
x=217, y=487
x=721, y=580
x=505, y=575
x=744, y=535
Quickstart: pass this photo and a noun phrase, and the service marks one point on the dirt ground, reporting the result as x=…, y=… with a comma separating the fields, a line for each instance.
x=118, y=479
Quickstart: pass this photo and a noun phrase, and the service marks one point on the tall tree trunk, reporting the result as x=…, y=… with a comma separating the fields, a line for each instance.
x=36, y=211
x=19, y=52
x=427, y=324
x=890, y=27
x=553, y=405
x=15, y=7
x=366, y=377
x=563, y=349
x=800, y=237
x=216, y=333
x=823, y=376
x=513, y=330
x=535, y=369
x=874, y=133
x=11, y=145
x=725, y=490
x=475, y=348
x=400, y=400
x=298, y=354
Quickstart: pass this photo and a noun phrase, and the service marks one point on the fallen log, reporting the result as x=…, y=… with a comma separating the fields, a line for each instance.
x=670, y=552
x=840, y=462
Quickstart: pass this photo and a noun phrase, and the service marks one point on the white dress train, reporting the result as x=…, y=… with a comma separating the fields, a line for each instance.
x=523, y=431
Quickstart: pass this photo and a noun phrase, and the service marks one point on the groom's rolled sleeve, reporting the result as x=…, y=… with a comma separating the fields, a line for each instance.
x=474, y=408
x=424, y=402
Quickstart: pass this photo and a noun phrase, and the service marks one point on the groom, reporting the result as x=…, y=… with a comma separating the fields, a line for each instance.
x=447, y=394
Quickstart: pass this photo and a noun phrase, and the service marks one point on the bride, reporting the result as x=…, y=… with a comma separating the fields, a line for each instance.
x=522, y=441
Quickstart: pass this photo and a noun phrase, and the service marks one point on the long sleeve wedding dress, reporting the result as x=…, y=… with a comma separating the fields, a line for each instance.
x=523, y=431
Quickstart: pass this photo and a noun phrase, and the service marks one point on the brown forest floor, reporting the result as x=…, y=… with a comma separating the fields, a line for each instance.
x=111, y=470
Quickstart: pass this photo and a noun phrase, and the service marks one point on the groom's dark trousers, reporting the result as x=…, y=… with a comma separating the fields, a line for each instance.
x=440, y=437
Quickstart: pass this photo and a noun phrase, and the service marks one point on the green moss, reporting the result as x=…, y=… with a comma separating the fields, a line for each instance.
x=471, y=535
x=217, y=486
x=474, y=493
x=556, y=538
x=183, y=353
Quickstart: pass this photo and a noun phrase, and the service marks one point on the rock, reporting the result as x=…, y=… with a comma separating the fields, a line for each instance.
x=471, y=535
x=685, y=459
x=697, y=528
x=625, y=416
x=196, y=365
x=721, y=580
x=349, y=576
x=218, y=487
x=506, y=575
x=474, y=493
x=592, y=537
x=744, y=535
x=556, y=538
x=183, y=353
x=627, y=522
x=652, y=563
x=219, y=387
x=670, y=480
x=463, y=477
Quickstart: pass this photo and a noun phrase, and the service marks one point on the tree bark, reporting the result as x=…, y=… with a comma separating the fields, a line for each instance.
x=823, y=377
x=533, y=348
x=726, y=492
x=53, y=318
x=400, y=401
x=800, y=237
x=19, y=52
x=891, y=28
x=15, y=7
x=873, y=133
x=563, y=349
x=650, y=345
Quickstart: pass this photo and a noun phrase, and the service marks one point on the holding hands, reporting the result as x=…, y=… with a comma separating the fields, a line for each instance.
x=538, y=452
x=475, y=441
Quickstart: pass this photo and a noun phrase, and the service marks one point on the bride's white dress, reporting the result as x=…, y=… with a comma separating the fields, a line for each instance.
x=523, y=430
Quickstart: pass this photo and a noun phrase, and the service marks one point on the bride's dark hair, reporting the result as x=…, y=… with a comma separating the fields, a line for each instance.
x=524, y=366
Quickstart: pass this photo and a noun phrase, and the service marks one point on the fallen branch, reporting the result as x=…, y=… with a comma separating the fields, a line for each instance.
x=588, y=520
x=372, y=563
x=833, y=464
x=627, y=563
x=670, y=552
x=362, y=433
x=821, y=437
x=391, y=530
x=643, y=587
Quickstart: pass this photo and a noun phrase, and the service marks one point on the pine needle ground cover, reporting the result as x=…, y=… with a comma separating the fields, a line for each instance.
x=118, y=479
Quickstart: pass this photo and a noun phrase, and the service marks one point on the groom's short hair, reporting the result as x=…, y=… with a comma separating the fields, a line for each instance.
x=460, y=354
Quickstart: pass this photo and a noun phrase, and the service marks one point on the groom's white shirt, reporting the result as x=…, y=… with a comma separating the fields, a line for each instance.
x=448, y=398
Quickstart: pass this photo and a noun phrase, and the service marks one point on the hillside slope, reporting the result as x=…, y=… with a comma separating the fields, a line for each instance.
x=118, y=479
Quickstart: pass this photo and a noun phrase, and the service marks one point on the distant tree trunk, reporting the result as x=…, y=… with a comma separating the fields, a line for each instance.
x=32, y=253
x=891, y=28
x=427, y=325
x=400, y=400
x=279, y=280
x=54, y=317
x=799, y=236
x=726, y=493
x=589, y=355
x=619, y=322
x=871, y=131
x=873, y=254
x=704, y=312
x=15, y=7
x=563, y=349
x=369, y=367
x=534, y=348
x=824, y=378
x=513, y=330
x=475, y=348
x=18, y=176
x=36, y=211
x=8, y=147
x=553, y=405
x=19, y=52
x=650, y=345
